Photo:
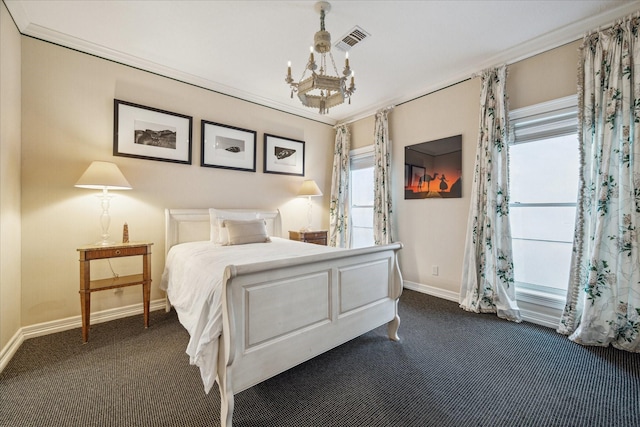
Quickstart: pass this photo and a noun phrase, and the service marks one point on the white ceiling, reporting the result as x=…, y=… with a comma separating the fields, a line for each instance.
x=241, y=48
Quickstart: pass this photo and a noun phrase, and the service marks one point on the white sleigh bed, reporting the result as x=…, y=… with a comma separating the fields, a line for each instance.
x=278, y=313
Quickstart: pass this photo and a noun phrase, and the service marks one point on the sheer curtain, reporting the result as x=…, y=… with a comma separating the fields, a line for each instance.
x=339, y=203
x=603, y=299
x=487, y=276
x=382, y=208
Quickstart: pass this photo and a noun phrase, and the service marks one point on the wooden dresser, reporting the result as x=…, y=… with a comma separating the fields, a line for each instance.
x=317, y=237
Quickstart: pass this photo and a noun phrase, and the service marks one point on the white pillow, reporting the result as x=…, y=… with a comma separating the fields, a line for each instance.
x=218, y=234
x=243, y=232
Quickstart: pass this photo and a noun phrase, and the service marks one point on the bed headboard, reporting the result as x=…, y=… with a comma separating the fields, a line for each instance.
x=192, y=225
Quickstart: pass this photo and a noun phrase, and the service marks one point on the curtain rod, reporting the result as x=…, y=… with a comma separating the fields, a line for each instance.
x=389, y=108
x=614, y=23
x=355, y=119
x=509, y=62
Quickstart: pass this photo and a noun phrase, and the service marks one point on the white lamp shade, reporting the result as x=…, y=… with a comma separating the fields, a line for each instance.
x=103, y=175
x=309, y=188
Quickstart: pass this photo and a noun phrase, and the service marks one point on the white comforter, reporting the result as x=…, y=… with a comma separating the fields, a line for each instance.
x=192, y=279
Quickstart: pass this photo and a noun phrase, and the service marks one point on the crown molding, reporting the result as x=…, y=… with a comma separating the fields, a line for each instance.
x=65, y=40
x=531, y=48
x=551, y=40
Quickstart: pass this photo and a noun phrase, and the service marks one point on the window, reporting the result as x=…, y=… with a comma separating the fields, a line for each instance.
x=544, y=170
x=361, y=197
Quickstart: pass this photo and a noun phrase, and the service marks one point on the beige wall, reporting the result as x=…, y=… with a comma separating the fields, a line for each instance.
x=362, y=132
x=9, y=178
x=68, y=122
x=433, y=231
x=549, y=75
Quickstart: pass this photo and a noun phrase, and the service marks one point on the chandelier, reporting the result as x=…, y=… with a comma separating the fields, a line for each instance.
x=321, y=90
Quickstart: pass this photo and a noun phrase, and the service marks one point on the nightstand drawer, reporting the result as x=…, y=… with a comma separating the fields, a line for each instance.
x=316, y=237
x=115, y=252
x=318, y=241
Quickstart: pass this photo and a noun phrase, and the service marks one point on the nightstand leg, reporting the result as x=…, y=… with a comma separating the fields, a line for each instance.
x=85, y=295
x=85, y=306
x=146, y=298
x=146, y=286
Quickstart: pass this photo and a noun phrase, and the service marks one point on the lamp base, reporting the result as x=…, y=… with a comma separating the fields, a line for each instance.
x=305, y=229
x=105, y=243
x=105, y=218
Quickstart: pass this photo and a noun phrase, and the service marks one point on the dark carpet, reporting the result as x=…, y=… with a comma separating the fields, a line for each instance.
x=452, y=368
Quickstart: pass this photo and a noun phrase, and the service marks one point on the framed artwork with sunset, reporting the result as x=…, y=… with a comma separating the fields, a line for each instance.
x=433, y=169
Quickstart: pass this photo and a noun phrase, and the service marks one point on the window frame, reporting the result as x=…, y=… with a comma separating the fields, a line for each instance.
x=365, y=156
x=550, y=119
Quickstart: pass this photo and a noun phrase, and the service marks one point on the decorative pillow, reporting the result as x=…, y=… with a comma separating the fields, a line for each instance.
x=243, y=232
x=218, y=234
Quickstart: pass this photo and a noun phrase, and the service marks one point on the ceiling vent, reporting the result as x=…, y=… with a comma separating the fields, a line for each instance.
x=355, y=36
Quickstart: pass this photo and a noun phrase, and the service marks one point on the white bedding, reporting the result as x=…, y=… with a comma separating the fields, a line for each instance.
x=192, y=279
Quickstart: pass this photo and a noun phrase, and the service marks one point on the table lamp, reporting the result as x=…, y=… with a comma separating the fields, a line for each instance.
x=104, y=176
x=309, y=189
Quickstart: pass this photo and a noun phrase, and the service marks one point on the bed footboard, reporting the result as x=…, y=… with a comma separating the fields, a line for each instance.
x=277, y=315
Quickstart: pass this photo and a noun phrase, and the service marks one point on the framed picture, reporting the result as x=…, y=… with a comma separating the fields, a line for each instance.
x=228, y=147
x=436, y=169
x=149, y=133
x=283, y=155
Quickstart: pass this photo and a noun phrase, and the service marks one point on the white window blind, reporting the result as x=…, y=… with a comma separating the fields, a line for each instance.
x=543, y=174
x=361, y=197
x=550, y=119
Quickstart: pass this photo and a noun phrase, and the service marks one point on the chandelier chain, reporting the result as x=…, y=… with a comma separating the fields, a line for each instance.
x=335, y=69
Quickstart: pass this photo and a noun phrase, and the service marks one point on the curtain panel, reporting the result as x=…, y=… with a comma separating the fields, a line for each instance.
x=382, y=206
x=339, y=203
x=603, y=297
x=487, y=276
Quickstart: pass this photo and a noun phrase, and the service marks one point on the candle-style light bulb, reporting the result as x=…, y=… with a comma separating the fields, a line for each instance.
x=289, y=68
x=346, y=60
x=311, y=52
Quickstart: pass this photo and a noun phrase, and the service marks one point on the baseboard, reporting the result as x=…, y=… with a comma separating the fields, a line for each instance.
x=32, y=331
x=540, y=318
x=10, y=349
x=530, y=316
x=431, y=290
x=60, y=325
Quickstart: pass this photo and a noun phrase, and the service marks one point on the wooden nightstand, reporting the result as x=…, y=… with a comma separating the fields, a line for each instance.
x=95, y=252
x=317, y=237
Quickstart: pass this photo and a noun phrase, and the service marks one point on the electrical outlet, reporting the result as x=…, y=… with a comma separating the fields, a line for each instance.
x=434, y=270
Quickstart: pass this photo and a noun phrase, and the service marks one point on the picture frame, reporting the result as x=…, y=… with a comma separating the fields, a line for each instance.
x=150, y=133
x=436, y=169
x=227, y=147
x=283, y=156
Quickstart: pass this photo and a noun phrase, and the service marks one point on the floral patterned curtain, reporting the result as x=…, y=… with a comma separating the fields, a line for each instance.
x=487, y=276
x=603, y=299
x=382, y=176
x=339, y=204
